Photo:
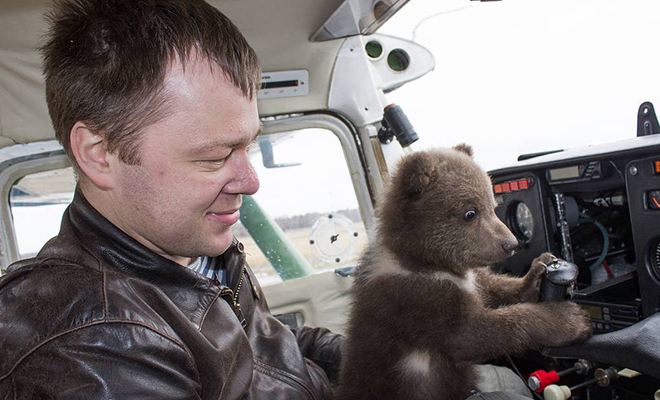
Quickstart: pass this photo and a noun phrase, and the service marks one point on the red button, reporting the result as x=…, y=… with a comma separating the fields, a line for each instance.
x=506, y=187
x=523, y=184
x=514, y=186
x=498, y=188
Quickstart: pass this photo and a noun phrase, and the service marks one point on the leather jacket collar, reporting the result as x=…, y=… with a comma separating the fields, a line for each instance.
x=83, y=226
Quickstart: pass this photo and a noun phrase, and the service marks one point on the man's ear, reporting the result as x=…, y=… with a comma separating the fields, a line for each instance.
x=89, y=149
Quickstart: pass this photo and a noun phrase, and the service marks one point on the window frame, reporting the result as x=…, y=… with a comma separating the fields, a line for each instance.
x=349, y=147
x=40, y=157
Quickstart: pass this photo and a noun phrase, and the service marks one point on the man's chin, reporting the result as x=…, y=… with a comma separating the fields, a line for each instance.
x=220, y=244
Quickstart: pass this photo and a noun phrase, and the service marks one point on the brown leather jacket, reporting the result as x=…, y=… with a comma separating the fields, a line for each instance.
x=98, y=316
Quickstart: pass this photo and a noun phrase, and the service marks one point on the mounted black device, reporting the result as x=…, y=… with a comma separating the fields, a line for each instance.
x=396, y=124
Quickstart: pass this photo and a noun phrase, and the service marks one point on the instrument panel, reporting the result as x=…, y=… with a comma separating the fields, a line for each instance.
x=600, y=211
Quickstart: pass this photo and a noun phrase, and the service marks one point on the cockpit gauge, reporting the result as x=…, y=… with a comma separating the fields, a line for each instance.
x=654, y=199
x=654, y=257
x=522, y=221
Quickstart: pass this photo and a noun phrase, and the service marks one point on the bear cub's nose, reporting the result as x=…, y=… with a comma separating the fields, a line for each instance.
x=509, y=246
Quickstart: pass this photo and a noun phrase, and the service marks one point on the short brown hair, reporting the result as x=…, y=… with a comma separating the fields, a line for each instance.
x=105, y=63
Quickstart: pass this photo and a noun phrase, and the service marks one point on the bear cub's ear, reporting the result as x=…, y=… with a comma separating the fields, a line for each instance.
x=464, y=148
x=418, y=172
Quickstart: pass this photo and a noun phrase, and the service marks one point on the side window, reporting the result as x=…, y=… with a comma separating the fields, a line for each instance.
x=37, y=203
x=305, y=218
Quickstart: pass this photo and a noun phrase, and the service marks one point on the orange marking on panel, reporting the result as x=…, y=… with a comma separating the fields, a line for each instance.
x=656, y=202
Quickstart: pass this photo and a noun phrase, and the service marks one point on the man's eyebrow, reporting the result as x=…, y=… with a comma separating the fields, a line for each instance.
x=210, y=145
x=245, y=142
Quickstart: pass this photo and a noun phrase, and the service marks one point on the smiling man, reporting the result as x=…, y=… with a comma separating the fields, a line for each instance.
x=145, y=293
x=192, y=169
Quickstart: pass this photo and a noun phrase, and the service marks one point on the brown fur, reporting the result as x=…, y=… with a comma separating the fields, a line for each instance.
x=425, y=309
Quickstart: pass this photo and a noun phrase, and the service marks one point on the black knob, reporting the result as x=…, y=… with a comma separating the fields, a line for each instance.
x=558, y=281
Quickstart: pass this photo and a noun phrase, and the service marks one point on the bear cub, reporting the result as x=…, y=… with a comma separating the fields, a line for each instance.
x=426, y=307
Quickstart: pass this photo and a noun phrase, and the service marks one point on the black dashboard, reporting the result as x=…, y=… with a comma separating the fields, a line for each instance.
x=598, y=207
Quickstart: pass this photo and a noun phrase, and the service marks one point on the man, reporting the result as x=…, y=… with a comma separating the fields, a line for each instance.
x=154, y=102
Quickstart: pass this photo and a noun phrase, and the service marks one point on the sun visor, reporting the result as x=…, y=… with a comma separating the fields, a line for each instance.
x=357, y=17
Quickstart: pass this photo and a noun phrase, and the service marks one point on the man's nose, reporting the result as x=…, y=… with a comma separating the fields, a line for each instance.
x=245, y=180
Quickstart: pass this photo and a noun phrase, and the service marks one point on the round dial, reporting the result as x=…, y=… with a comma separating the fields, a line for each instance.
x=333, y=238
x=523, y=221
x=654, y=256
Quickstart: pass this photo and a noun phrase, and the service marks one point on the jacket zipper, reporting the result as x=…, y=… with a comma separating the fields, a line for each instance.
x=236, y=306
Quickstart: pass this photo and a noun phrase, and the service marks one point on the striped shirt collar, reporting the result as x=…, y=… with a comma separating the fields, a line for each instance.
x=210, y=267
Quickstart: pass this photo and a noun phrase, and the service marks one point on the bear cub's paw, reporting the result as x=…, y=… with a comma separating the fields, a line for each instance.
x=532, y=281
x=572, y=323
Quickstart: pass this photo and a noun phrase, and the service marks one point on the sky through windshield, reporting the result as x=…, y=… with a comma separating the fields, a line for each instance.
x=521, y=76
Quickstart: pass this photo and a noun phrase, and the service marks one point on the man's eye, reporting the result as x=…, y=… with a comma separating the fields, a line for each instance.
x=213, y=163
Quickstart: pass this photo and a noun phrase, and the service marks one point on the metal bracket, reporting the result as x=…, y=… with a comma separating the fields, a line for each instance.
x=647, y=122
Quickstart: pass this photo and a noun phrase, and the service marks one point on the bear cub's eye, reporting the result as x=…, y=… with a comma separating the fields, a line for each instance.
x=470, y=215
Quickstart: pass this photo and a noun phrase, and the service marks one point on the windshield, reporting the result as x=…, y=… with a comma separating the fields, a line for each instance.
x=521, y=76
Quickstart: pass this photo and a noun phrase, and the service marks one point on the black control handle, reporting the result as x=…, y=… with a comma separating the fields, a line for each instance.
x=558, y=282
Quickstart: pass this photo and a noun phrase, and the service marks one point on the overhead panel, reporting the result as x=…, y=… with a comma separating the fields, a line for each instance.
x=284, y=84
x=377, y=64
